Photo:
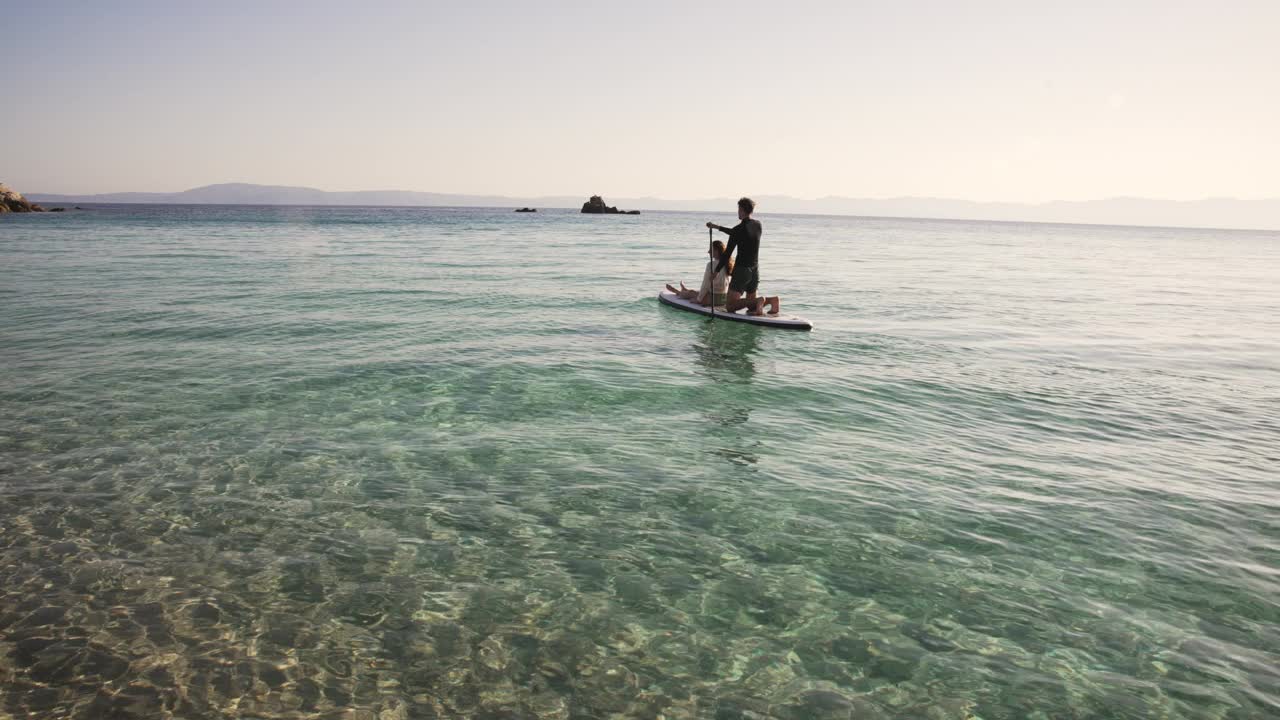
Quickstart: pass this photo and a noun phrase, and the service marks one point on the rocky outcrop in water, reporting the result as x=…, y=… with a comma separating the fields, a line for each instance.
x=12, y=201
x=596, y=206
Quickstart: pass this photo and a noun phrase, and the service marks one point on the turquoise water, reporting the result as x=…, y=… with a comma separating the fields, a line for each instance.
x=419, y=463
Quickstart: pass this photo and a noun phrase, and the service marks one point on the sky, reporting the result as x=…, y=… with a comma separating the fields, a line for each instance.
x=1021, y=101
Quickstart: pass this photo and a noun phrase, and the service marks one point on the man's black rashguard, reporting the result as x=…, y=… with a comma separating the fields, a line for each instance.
x=745, y=237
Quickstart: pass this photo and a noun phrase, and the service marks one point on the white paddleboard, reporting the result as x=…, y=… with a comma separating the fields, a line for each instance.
x=790, y=322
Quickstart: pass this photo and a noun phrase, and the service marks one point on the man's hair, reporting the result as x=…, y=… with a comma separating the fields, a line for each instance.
x=747, y=204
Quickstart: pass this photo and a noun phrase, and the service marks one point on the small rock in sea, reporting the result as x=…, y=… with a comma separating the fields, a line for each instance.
x=596, y=206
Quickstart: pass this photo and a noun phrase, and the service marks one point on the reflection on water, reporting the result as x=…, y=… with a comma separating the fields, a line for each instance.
x=726, y=355
x=727, y=350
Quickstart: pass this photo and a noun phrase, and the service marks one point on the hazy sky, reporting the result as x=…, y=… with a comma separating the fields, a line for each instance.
x=1020, y=100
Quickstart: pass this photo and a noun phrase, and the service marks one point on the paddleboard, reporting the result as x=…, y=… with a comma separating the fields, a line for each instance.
x=789, y=322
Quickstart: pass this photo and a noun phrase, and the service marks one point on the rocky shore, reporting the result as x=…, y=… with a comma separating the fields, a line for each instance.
x=12, y=201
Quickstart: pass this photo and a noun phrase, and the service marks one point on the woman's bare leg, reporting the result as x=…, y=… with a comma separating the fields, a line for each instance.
x=684, y=293
x=776, y=302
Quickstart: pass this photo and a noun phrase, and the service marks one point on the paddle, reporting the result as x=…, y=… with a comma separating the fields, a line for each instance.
x=711, y=253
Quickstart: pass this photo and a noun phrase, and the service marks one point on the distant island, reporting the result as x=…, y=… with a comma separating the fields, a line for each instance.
x=597, y=206
x=1263, y=214
x=526, y=209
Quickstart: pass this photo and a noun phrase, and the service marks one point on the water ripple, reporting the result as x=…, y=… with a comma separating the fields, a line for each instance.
x=326, y=462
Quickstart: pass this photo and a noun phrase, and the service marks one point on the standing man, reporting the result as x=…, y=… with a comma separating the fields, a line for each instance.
x=745, y=237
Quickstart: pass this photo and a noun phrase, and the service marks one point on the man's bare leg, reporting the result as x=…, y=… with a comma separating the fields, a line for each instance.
x=757, y=308
x=734, y=302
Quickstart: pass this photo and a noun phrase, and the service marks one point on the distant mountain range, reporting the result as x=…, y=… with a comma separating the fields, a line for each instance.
x=1209, y=213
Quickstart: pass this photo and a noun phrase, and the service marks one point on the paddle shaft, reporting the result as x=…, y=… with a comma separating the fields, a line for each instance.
x=711, y=253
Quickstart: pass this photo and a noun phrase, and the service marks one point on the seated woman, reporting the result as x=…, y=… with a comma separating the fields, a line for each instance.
x=717, y=287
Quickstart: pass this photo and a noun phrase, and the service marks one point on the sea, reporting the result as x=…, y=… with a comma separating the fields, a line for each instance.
x=402, y=463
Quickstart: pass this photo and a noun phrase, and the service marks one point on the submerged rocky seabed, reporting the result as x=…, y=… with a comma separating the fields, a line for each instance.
x=270, y=581
x=334, y=463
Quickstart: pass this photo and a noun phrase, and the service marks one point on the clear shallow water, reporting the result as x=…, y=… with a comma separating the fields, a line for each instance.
x=403, y=463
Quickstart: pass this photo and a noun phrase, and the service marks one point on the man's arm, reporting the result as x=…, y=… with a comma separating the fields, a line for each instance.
x=728, y=250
